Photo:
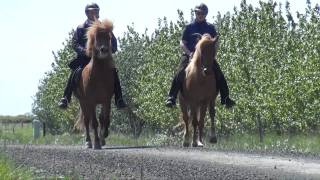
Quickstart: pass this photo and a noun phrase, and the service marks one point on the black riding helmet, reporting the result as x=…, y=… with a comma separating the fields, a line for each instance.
x=91, y=6
x=202, y=8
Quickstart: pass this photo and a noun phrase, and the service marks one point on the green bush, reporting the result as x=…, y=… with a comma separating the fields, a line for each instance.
x=270, y=60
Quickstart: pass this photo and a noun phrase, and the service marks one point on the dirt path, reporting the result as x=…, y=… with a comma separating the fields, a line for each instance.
x=158, y=163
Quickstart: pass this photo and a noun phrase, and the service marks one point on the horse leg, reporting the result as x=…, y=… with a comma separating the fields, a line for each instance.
x=102, y=126
x=186, y=141
x=104, y=120
x=185, y=117
x=107, y=118
x=94, y=124
x=212, y=112
x=88, y=143
x=86, y=120
x=203, y=110
x=195, y=123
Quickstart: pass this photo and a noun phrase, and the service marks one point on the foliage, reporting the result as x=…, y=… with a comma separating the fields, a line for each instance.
x=147, y=65
x=16, y=133
x=270, y=59
x=50, y=91
x=9, y=171
x=25, y=118
x=272, y=64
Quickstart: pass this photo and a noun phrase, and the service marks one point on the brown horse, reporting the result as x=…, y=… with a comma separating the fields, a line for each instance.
x=97, y=83
x=199, y=90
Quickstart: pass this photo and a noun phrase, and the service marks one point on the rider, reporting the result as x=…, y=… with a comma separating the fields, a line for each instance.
x=188, y=43
x=79, y=45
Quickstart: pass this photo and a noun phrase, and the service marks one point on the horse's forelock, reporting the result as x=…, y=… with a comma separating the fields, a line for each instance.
x=203, y=44
x=104, y=25
x=205, y=40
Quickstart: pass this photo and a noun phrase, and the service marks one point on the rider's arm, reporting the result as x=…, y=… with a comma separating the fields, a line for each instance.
x=114, y=44
x=183, y=41
x=214, y=32
x=184, y=47
x=77, y=37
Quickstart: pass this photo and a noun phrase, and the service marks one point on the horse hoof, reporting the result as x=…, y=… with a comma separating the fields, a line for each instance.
x=197, y=144
x=97, y=147
x=106, y=134
x=103, y=142
x=88, y=145
x=213, y=140
x=186, y=144
x=194, y=145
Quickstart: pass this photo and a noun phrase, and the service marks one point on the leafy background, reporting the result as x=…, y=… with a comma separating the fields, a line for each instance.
x=269, y=56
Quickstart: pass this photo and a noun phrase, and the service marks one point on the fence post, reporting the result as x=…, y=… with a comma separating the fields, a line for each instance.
x=44, y=129
x=36, y=128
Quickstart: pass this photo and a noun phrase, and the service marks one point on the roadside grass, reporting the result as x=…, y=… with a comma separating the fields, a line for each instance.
x=9, y=171
x=293, y=143
x=285, y=143
x=298, y=143
x=16, y=133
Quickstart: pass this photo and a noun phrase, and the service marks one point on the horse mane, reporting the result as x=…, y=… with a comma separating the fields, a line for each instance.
x=205, y=46
x=104, y=25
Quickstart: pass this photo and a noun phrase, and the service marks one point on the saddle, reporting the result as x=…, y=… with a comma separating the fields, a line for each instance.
x=79, y=61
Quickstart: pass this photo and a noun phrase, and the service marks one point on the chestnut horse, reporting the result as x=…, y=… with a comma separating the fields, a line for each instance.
x=96, y=83
x=199, y=90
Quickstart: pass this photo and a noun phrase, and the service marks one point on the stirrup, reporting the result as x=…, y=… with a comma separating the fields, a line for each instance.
x=170, y=102
x=63, y=103
x=121, y=104
x=228, y=102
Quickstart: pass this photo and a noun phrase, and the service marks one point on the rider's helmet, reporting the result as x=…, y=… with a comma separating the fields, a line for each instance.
x=201, y=8
x=91, y=6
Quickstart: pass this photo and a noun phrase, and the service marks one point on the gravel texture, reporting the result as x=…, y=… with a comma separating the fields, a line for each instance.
x=116, y=162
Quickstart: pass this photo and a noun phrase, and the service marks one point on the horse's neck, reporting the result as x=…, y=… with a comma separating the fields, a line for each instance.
x=196, y=59
x=100, y=67
x=102, y=64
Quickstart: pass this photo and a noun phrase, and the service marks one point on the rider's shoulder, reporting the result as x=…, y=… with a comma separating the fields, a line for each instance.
x=192, y=23
x=81, y=26
x=210, y=24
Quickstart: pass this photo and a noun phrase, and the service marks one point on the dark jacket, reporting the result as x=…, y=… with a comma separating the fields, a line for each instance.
x=79, y=42
x=196, y=27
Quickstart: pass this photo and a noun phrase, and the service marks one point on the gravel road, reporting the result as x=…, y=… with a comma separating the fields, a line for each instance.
x=116, y=162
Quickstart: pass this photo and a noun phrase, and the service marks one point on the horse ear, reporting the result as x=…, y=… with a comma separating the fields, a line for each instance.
x=216, y=38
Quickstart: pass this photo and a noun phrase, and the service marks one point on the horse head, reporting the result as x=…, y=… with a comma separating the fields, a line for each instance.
x=99, y=39
x=206, y=50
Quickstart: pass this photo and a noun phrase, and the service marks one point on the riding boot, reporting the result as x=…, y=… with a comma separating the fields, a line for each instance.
x=63, y=103
x=119, y=102
x=222, y=86
x=177, y=81
x=173, y=93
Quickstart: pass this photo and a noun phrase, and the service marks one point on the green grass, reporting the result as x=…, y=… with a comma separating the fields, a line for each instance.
x=300, y=143
x=16, y=133
x=121, y=139
x=9, y=171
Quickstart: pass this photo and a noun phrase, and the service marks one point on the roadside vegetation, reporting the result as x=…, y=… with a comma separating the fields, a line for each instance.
x=244, y=142
x=9, y=171
x=270, y=57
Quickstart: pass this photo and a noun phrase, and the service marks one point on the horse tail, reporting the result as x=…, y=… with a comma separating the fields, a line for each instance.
x=80, y=121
